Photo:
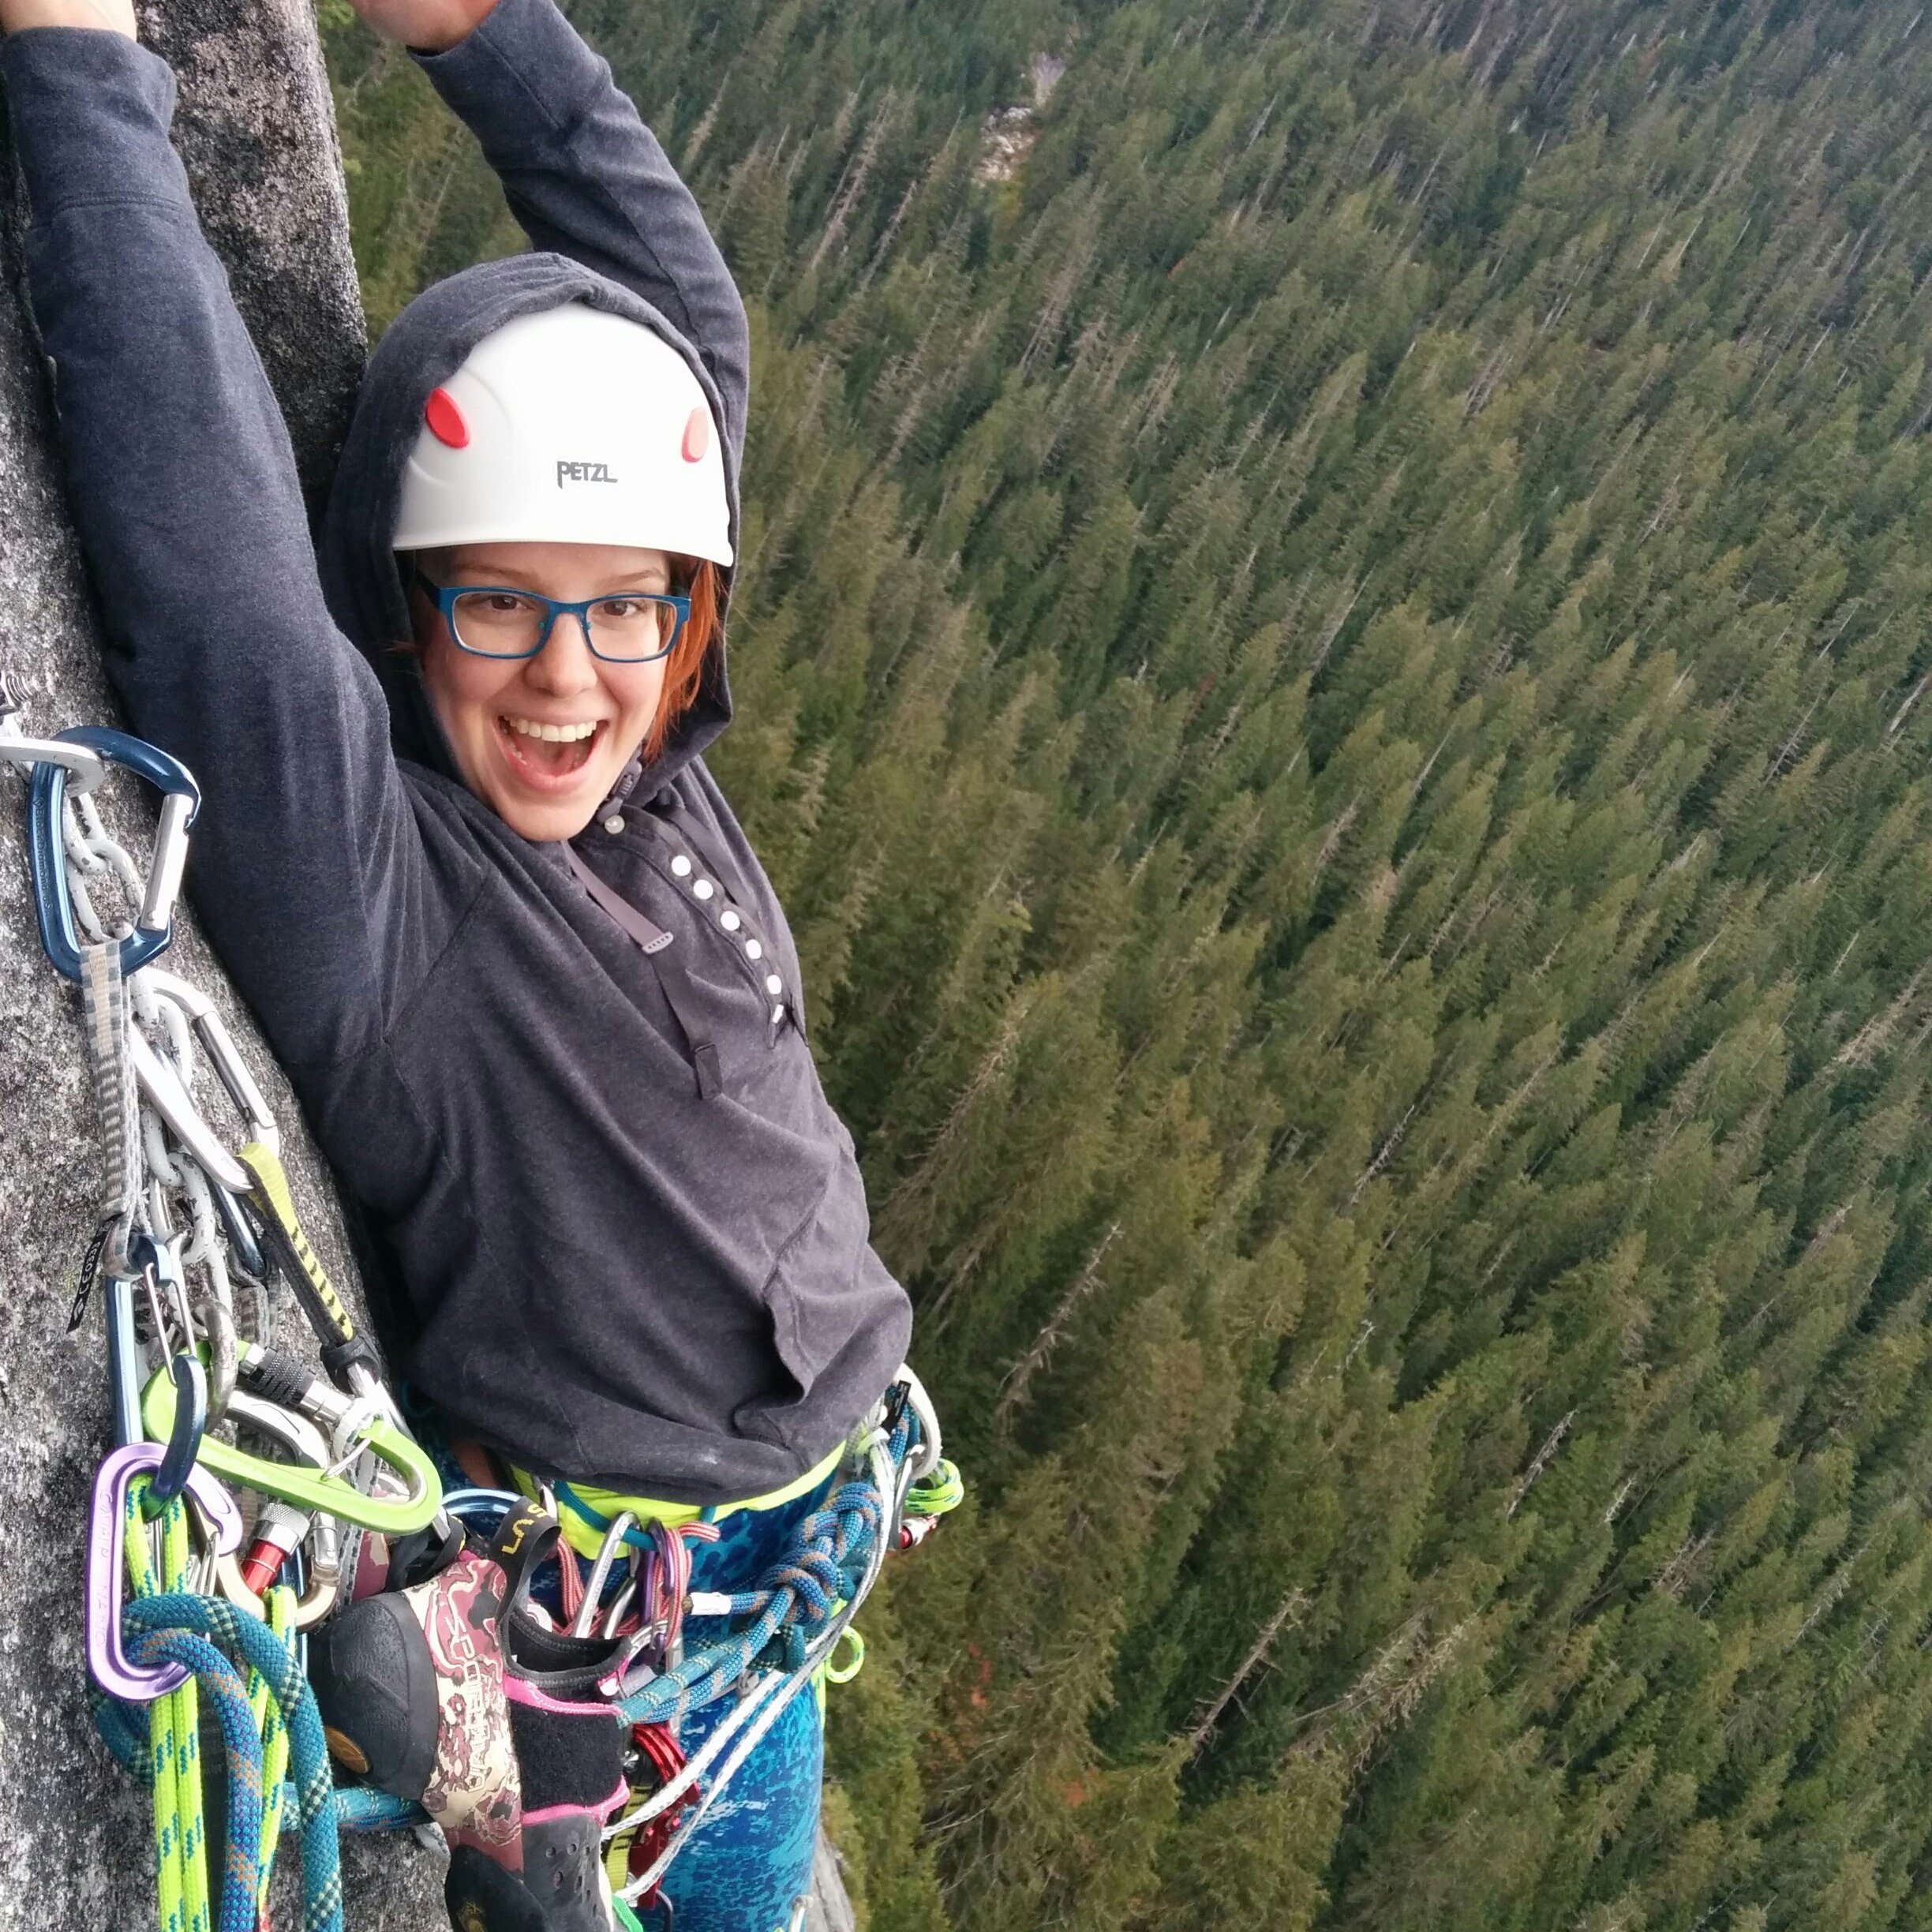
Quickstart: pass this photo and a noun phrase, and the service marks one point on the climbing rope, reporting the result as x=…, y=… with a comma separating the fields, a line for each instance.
x=798, y=1615
x=206, y=1634
x=829, y=1564
x=265, y=1721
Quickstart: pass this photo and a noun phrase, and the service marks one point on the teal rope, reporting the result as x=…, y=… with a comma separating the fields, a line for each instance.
x=123, y=1734
x=822, y=1568
x=358, y=1808
x=210, y=1617
x=222, y=1683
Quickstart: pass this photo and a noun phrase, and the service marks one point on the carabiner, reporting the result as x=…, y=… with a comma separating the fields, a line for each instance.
x=184, y=1442
x=154, y=923
x=297, y=1434
x=161, y=1087
x=218, y=1044
x=313, y=1488
x=126, y=1368
x=107, y=1661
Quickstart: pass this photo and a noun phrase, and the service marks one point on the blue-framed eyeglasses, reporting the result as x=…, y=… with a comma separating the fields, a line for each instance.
x=499, y=620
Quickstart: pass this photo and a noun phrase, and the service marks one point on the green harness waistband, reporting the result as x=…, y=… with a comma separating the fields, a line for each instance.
x=587, y=1513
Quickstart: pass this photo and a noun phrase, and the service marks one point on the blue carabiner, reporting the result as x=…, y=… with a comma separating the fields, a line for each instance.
x=184, y=1442
x=154, y=924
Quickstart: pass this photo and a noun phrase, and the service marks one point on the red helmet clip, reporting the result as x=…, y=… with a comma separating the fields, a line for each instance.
x=446, y=420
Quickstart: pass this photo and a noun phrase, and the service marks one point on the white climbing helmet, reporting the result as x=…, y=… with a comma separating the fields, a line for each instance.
x=570, y=426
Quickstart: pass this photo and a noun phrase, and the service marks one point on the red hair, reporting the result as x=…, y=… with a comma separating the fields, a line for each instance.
x=685, y=668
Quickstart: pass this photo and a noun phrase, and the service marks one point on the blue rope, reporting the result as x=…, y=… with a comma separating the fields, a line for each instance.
x=358, y=1809
x=821, y=1568
x=178, y=1614
x=221, y=1684
x=124, y=1734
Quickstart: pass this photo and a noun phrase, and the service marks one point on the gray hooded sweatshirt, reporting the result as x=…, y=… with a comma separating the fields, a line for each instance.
x=626, y=1233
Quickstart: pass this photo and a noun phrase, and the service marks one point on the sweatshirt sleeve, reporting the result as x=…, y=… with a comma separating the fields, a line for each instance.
x=183, y=486
x=587, y=179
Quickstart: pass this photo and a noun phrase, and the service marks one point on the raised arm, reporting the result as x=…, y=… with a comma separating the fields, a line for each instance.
x=583, y=174
x=183, y=488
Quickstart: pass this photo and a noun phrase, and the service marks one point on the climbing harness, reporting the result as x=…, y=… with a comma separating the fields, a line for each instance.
x=191, y=1598
x=765, y=1646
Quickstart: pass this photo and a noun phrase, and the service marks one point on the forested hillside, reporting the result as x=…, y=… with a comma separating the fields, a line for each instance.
x=1333, y=666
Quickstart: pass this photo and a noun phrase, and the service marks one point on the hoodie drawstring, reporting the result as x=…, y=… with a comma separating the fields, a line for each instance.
x=656, y=945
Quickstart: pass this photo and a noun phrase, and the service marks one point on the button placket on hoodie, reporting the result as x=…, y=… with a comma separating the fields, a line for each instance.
x=717, y=909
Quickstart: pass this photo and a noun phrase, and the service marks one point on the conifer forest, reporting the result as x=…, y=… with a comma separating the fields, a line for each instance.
x=1334, y=665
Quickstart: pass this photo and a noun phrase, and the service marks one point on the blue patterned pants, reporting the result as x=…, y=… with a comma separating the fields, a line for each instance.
x=749, y=1862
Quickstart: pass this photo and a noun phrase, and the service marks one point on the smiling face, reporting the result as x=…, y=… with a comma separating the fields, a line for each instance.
x=542, y=740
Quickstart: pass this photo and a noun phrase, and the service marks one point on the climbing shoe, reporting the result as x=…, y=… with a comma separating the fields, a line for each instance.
x=452, y=1693
x=410, y=1685
x=570, y=1743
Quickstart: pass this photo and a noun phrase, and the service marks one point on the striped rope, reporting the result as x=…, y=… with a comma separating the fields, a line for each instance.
x=195, y=1631
x=362, y=1808
x=241, y=1867
x=174, y=1732
x=251, y=1640
x=822, y=1568
x=279, y=1601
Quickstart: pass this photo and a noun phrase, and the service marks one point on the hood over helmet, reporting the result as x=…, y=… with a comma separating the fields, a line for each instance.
x=423, y=350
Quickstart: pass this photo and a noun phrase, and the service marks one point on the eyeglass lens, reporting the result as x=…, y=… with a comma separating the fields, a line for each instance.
x=501, y=623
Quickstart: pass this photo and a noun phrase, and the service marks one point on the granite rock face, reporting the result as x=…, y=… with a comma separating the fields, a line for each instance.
x=256, y=131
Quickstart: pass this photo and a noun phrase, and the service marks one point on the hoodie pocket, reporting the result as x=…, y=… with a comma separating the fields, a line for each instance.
x=808, y=1297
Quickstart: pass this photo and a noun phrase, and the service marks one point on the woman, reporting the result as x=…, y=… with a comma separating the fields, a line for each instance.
x=461, y=853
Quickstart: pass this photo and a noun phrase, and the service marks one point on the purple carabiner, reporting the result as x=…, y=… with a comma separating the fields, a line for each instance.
x=107, y=1661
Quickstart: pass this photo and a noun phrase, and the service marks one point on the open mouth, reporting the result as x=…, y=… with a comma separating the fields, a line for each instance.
x=548, y=755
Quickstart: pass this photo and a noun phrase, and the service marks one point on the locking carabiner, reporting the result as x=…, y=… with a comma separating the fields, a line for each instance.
x=154, y=923
x=107, y=1662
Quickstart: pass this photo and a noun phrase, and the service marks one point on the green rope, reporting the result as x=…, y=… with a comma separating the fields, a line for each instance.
x=180, y=1625
x=271, y=1723
x=247, y=1637
x=174, y=1731
x=220, y=1682
x=943, y=1489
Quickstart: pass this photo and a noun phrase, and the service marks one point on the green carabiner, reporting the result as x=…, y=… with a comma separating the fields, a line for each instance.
x=313, y=1488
